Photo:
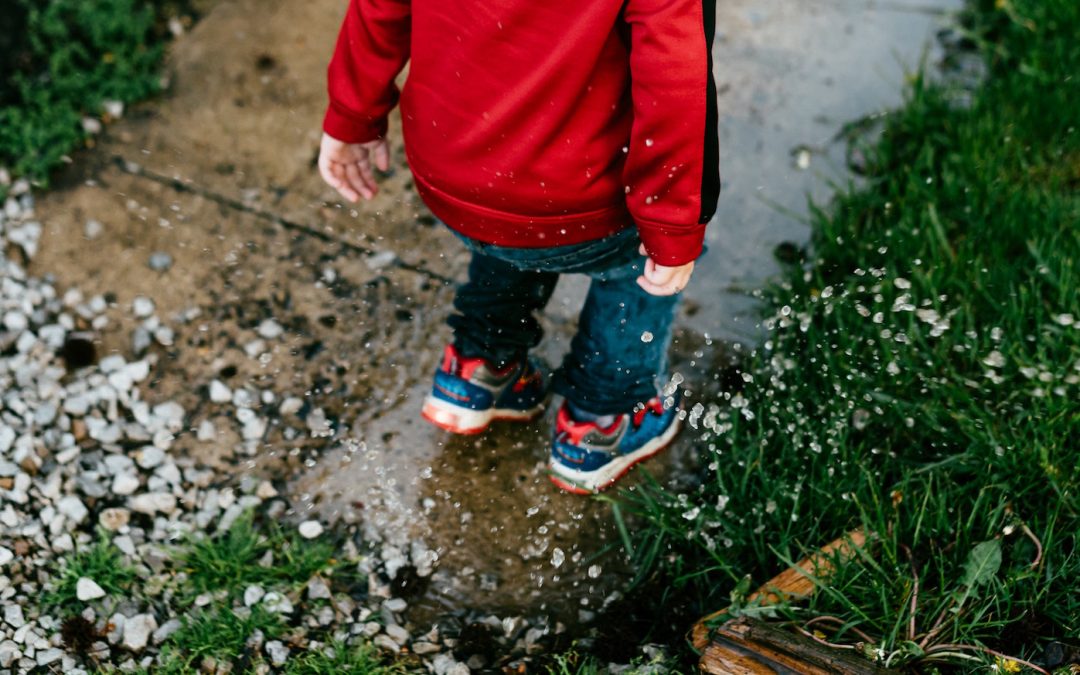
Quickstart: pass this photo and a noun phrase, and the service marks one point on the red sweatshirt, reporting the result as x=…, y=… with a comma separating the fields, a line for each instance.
x=542, y=123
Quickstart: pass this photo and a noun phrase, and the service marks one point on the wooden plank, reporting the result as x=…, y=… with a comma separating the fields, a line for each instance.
x=744, y=646
x=793, y=583
x=749, y=647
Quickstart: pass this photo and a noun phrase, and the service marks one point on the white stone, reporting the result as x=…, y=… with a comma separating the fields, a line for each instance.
x=125, y=484
x=113, y=108
x=91, y=125
x=117, y=622
x=13, y=616
x=219, y=392
x=266, y=490
x=6, y=555
x=112, y=363
x=87, y=589
x=137, y=631
x=150, y=457
x=277, y=652
x=153, y=502
x=73, y=509
x=206, y=431
x=7, y=437
x=397, y=633
x=270, y=329
x=277, y=603
x=15, y=320
x=309, y=529
x=137, y=370
x=50, y=655
x=142, y=306
x=386, y=642
x=167, y=629
x=395, y=605
x=291, y=406
x=9, y=651
x=253, y=594
x=318, y=590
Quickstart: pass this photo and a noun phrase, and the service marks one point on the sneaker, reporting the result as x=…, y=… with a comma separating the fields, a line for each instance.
x=468, y=394
x=587, y=458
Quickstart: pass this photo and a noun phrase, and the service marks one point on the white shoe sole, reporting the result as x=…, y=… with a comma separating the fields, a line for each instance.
x=458, y=420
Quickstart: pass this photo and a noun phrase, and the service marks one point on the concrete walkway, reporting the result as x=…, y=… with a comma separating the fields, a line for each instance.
x=219, y=174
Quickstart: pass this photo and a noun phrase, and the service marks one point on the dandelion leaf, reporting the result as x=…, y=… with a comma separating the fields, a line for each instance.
x=982, y=564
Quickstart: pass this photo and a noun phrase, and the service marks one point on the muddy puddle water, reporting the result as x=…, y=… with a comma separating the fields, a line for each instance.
x=504, y=540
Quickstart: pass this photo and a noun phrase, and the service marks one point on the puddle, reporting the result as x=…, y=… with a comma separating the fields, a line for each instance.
x=507, y=541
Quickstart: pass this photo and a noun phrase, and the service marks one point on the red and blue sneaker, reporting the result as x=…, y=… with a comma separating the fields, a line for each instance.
x=587, y=458
x=469, y=393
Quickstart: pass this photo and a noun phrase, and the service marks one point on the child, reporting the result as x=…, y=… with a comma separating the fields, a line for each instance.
x=551, y=137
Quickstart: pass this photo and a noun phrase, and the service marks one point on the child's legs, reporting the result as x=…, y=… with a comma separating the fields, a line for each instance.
x=495, y=310
x=620, y=350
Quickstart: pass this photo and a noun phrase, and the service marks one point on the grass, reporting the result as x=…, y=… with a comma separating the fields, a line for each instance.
x=102, y=562
x=919, y=380
x=248, y=554
x=339, y=658
x=62, y=60
x=221, y=633
x=219, y=568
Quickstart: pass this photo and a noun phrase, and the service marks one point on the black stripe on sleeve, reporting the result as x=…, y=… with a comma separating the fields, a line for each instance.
x=710, y=170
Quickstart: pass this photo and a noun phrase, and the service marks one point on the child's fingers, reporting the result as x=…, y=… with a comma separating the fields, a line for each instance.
x=658, y=274
x=654, y=289
x=333, y=174
x=369, y=177
x=356, y=180
x=642, y=251
x=382, y=155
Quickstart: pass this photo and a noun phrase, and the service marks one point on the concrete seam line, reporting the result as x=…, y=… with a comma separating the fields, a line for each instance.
x=137, y=170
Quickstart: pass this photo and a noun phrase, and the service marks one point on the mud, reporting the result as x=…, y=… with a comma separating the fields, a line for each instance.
x=219, y=174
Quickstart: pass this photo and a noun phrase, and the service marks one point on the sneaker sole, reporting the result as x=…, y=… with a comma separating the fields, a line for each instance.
x=592, y=482
x=463, y=421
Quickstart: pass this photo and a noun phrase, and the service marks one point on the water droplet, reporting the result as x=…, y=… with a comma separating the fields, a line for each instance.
x=648, y=142
x=594, y=571
x=558, y=557
x=646, y=337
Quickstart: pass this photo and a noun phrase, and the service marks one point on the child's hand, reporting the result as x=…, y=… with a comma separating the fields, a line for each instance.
x=347, y=166
x=661, y=280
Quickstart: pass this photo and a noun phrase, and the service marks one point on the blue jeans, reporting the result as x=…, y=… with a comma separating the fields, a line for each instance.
x=620, y=351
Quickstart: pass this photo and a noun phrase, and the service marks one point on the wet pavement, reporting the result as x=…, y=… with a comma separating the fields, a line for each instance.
x=219, y=174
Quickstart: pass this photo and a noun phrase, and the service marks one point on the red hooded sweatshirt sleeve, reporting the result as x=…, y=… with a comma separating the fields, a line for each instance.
x=543, y=124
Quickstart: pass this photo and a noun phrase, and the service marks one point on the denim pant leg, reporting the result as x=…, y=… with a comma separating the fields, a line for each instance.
x=620, y=351
x=495, y=309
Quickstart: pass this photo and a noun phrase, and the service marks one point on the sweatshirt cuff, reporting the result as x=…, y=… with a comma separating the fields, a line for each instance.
x=349, y=128
x=671, y=246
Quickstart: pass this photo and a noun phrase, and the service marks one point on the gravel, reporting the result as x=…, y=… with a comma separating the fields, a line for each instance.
x=84, y=445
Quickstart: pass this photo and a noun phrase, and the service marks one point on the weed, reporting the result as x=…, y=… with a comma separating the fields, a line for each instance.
x=102, y=562
x=246, y=554
x=362, y=659
x=920, y=380
x=221, y=634
x=69, y=57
